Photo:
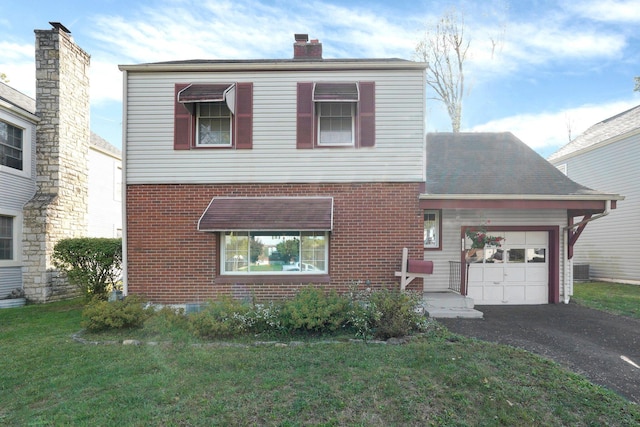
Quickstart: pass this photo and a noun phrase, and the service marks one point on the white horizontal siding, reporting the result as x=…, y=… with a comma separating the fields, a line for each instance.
x=607, y=244
x=16, y=189
x=397, y=157
x=10, y=279
x=453, y=220
x=105, y=203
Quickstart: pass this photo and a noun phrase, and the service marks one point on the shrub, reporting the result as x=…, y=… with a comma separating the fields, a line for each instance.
x=363, y=315
x=167, y=320
x=220, y=319
x=398, y=315
x=91, y=264
x=314, y=310
x=101, y=315
x=264, y=318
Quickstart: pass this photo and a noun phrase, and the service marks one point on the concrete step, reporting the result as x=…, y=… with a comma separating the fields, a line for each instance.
x=447, y=300
x=453, y=313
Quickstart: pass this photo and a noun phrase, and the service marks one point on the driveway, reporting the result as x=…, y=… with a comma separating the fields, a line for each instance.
x=602, y=347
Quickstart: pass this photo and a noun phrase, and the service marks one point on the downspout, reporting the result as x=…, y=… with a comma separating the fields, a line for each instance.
x=568, y=262
x=125, y=282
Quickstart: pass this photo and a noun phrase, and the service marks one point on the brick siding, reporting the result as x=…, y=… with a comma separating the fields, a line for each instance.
x=169, y=261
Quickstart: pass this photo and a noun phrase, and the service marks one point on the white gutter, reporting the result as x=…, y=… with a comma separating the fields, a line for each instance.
x=125, y=286
x=571, y=197
x=568, y=263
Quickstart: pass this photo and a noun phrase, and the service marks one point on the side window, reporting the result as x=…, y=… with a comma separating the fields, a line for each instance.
x=213, y=116
x=335, y=114
x=432, y=227
x=6, y=238
x=11, y=146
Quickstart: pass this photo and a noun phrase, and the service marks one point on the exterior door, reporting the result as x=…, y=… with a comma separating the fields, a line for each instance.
x=517, y=272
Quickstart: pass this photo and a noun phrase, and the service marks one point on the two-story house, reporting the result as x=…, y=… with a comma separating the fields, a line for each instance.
x=255, y=177
x=18, y=122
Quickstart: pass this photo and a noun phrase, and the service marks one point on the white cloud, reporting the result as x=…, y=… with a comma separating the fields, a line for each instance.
x=548, y=131
x=608, y=11
x=18, y=63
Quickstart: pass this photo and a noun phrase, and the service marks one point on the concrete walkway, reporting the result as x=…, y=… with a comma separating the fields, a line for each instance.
x=603, y=347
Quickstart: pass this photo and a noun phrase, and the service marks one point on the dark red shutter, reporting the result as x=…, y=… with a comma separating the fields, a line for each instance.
x=182, y=122
x=367, y=114
x=244, y=116
x=304, y=119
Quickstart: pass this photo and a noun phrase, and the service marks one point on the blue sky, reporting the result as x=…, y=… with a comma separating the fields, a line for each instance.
x=559, y=66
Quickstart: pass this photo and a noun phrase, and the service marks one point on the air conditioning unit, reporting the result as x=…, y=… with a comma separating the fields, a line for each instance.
x=581, y=272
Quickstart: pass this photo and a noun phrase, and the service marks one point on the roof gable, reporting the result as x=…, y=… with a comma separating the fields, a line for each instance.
x=492, y=164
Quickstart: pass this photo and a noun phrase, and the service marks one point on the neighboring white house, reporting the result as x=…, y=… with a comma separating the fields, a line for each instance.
x=105, y=189
x=17, y=180
x=607, y=156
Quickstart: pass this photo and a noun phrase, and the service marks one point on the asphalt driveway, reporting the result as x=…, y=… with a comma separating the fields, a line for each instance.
x=602, y=347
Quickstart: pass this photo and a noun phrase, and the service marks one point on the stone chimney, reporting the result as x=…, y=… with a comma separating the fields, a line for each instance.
x=305, y=50
x=58, y=210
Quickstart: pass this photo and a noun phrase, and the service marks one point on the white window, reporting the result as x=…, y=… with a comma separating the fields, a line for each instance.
x=214, y=124
x=10, y=238
x=11, y=146
x=6, y=238
x=432, y=229
x=336, y=123
x=274, y=252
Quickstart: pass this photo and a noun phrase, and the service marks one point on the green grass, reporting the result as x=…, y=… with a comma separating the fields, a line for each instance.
x=614, y=298
x=439, y=379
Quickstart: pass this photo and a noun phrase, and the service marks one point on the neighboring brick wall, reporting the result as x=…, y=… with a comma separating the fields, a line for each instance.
x=169, y=261
x=59, y=208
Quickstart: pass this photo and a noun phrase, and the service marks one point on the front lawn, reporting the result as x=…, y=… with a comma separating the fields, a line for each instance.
x=438, y=379
x=614, y=298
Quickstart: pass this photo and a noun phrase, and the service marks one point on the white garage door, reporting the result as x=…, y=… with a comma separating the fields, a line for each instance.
x=515, y=273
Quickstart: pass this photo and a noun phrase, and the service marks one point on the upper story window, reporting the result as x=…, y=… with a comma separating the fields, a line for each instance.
x=11, y=146
x=214, y=124
x=213, y=116
x=335, y=114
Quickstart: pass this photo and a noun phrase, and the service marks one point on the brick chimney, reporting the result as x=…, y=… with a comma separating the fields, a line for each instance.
x=303, y=49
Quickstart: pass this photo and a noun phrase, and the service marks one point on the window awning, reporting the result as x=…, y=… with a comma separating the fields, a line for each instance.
x=208, y=93
x=268, y=213
x=345, y=92
x=203, y=93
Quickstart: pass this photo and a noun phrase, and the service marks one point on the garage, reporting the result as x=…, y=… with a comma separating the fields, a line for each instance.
x=516, y=272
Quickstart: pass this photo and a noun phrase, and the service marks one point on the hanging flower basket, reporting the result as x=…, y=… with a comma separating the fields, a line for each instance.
x=480, y=239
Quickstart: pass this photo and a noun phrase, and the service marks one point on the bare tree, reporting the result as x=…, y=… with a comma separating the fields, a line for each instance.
x=637, y=88
x=444, y=49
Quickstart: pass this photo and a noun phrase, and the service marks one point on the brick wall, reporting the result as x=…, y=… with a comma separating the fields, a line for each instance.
x=169, y=261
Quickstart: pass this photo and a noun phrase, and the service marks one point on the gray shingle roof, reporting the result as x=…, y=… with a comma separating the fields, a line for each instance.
x=613, y=126
x=102, y=144
x=17, y=98
x=492, y=164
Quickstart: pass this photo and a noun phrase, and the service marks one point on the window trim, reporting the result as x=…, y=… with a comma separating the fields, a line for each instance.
x=198, y=115
x=222, y=257
x=438, y=221
x=27, y=145
x=16, y=261
x=351, y=143
x=239, y=99
x=307, y=117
